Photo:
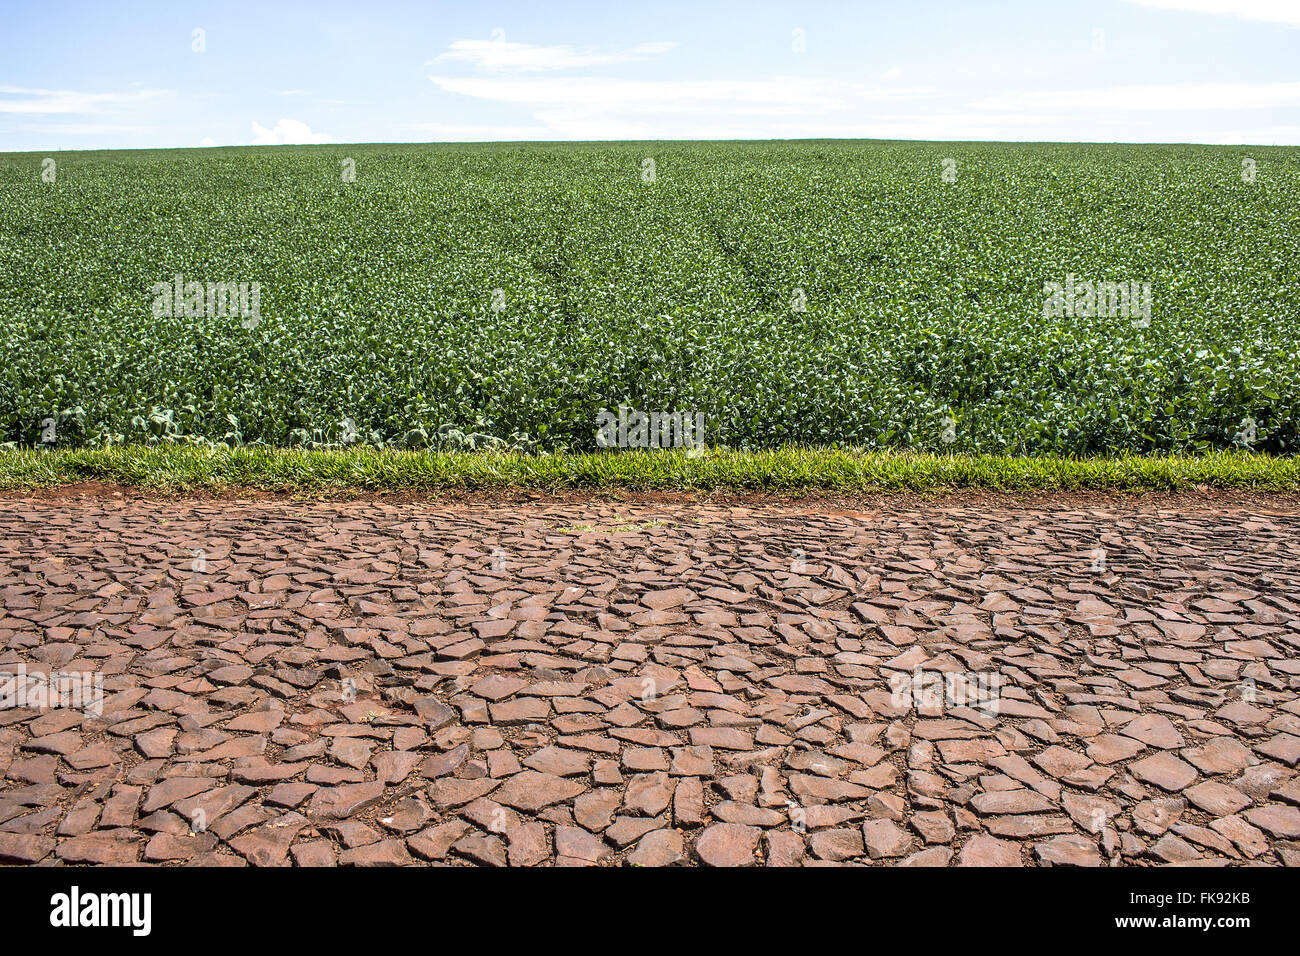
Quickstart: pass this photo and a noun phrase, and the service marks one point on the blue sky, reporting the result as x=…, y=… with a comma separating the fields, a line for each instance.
x=121, y=75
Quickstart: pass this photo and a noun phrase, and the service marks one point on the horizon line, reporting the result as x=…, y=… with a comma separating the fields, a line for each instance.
x=614, y=142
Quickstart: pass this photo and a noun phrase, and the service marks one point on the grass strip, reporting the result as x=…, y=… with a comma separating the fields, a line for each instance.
x=787, y=469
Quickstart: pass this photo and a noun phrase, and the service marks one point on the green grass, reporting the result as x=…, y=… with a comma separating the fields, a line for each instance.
x=790, y=469
x=835, y=293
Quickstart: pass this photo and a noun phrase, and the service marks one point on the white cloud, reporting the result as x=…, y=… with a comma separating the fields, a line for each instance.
x=453, y=133
x=573, y=125
x=596, y=95
x=84, y=129
x=207, y=141
x=19, y=99
x=1266, y=136
x=893, y=74
x=500, y=56
x=936, y=127
x=1152, y=98
x=602, y=108
x=292, y=92
x=1267, y=11
x=287, y=131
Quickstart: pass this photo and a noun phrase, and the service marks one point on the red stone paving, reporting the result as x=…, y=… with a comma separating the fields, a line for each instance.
x=369, y=683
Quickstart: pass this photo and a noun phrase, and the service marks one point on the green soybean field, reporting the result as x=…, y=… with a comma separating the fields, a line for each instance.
x=1001, y=299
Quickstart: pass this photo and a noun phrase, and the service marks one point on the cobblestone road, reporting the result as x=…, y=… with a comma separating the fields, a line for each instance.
x=368, y=683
